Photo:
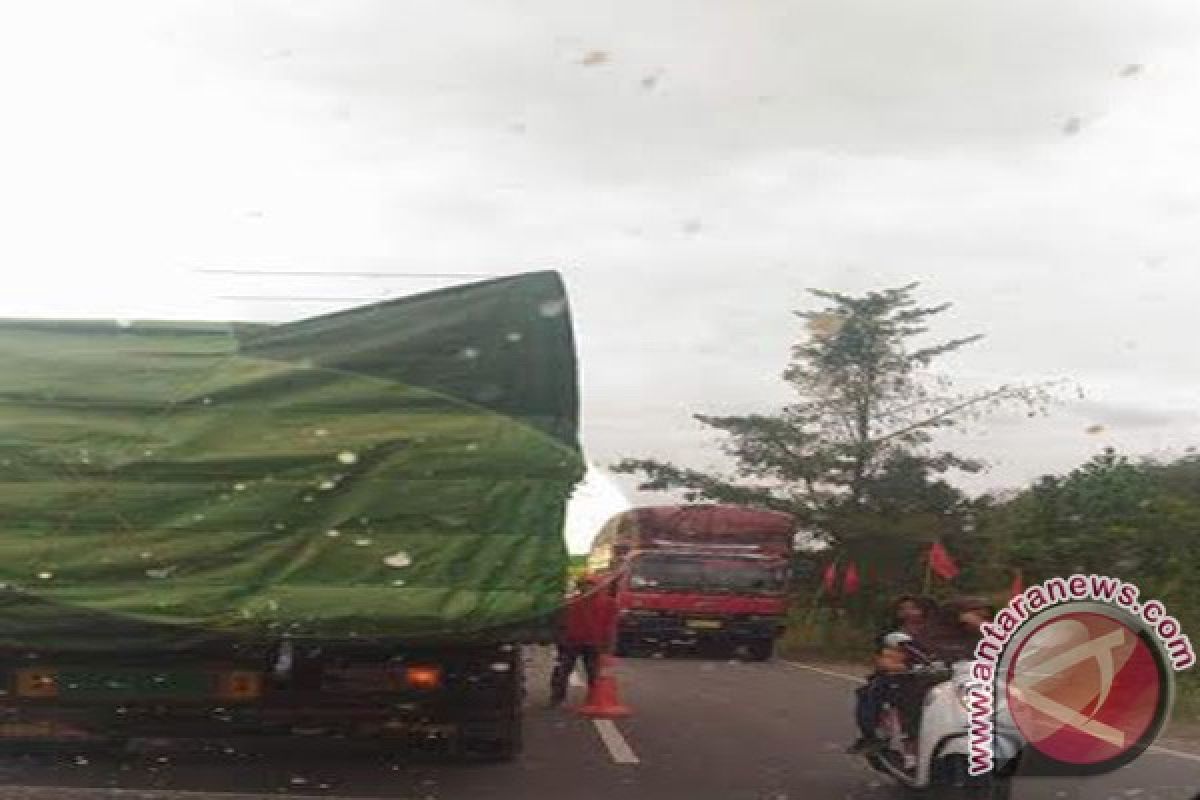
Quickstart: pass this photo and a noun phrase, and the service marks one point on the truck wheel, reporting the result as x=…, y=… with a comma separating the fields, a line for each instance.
x=505, y=746
x=504, y=739
x=625, y=648
x=761, y=649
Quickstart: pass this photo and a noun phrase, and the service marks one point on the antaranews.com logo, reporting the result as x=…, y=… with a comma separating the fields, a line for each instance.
x=1080, y=670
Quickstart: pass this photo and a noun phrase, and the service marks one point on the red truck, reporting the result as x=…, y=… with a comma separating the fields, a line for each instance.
x=698, y=574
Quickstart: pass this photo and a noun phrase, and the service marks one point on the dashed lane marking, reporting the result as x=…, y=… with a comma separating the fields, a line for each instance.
x=618, y=748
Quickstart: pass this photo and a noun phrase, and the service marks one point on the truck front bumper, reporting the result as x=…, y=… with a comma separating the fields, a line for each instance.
x=667, y=628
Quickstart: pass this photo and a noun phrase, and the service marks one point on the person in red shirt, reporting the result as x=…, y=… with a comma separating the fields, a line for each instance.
x=589, y=629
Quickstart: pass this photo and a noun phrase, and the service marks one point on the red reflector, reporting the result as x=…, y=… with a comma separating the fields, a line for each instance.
x=423, y=677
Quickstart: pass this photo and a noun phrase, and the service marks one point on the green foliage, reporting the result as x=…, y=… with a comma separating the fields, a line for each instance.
x=853, y=456
x=827, y=633
x=1139, y=521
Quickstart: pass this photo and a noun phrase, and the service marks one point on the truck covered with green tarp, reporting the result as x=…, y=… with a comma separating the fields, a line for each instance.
x=390, y=479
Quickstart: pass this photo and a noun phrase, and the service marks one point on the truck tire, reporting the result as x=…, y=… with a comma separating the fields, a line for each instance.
x=505, y=745
x=761, y=649
x=505, y=739
x=626, y=647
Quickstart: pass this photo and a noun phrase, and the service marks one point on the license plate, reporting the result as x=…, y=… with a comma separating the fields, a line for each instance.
x=704, y=624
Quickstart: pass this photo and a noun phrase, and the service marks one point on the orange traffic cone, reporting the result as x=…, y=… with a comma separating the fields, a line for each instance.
x=602, y=701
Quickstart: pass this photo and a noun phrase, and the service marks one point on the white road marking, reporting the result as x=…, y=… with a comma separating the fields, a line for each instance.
x=831, y=673
x=1166, y=751
x=1154, y=748
x=618, y=748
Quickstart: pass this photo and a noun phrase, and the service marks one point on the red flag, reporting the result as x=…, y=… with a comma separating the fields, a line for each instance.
x=850, y=579
x=829, y=581
x=1018, y=584
x=941, y=563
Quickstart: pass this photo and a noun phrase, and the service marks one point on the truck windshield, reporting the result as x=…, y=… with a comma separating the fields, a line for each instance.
x=707, y=574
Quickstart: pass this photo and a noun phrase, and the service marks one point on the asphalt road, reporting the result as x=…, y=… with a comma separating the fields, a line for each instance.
x=701, y=729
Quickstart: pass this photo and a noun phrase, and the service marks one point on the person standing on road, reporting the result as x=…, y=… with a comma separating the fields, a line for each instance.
x=589, y=630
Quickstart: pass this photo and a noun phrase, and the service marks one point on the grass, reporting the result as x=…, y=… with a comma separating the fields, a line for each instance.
x=825, y=634
x=1187, y=697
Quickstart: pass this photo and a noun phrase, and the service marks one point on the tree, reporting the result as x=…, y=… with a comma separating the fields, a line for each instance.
x=1136, y=520
x=853, y=456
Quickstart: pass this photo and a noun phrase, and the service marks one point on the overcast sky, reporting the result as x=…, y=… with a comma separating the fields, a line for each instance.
x=691, y=167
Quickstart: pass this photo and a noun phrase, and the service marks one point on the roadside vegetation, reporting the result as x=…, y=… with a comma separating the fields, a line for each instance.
x=858, y=459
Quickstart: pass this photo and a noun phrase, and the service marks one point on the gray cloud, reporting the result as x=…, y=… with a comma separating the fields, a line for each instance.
x=781, y=145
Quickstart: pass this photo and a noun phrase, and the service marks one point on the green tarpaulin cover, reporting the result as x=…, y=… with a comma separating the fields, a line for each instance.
x=395, y=471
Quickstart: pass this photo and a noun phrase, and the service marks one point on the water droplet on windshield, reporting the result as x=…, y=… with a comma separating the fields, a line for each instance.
x=326, y=486
x=362, y=542
x=469, y=353
x=397, y=583
x=347, y=457
x=552, y=308
x=45, y=576
x=398, y=559
x=514, y=336
x=239, y=487
x=333, y=533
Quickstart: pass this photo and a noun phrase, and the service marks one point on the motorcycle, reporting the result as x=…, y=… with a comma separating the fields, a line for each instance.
x=932, y=756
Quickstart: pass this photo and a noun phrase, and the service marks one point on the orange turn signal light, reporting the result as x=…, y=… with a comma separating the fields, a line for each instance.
x=239, y=685
x=423, y=677
x=36, y=683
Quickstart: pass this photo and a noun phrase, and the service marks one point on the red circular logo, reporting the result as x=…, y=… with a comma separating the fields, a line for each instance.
x=1085, y=688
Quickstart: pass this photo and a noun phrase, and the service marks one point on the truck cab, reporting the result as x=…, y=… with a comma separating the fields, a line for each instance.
x=699, y=575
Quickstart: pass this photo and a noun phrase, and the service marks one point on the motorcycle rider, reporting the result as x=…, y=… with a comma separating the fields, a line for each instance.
x=958, y=631
x=894, y=655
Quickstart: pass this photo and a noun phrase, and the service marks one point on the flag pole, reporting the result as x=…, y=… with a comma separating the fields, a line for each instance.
x=816, y=603
x=928, y=572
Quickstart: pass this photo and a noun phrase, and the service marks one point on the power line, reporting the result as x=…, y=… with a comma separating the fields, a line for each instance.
x=285, y=299
x=340, y=274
